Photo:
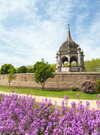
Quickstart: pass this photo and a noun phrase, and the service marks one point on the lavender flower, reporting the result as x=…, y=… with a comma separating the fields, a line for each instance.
x=77, y=95
x=66, y=97
x=23, y=116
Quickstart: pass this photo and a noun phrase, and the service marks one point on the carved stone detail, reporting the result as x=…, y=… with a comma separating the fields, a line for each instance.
x=71, y=55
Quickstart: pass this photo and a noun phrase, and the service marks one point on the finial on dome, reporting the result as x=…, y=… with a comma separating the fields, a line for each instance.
x=68, y=27
x=69, y=38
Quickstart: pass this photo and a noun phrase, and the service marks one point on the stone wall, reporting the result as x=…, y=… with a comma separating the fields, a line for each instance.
x=60, y=81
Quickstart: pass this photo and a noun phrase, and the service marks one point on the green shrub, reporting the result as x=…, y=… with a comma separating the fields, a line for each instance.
x=98, y=85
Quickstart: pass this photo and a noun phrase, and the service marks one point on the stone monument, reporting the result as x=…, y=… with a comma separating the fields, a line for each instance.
x=70, y=57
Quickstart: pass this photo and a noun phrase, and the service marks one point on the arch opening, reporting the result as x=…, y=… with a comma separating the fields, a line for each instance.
x=73, y=61
x=65, y=62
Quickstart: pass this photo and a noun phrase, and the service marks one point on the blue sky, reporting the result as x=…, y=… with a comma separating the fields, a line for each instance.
x=35, y=29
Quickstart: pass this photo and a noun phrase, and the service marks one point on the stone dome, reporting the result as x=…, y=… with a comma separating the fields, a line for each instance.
x=68, y=45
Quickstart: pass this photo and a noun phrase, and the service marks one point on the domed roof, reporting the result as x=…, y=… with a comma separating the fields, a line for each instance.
x=67, y=45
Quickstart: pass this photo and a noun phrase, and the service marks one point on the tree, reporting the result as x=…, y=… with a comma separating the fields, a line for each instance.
x=22, y=69
x=7, y=68
x=11, y=77
x=53, y=66
x=29, y=69
x=43, y=71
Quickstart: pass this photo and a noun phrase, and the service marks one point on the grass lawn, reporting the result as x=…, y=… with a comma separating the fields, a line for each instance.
x=48, y=93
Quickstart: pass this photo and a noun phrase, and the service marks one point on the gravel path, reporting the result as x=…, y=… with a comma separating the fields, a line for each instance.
x=57, y=101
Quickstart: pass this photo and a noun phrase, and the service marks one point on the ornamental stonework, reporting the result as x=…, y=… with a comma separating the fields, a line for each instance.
x=70, y=57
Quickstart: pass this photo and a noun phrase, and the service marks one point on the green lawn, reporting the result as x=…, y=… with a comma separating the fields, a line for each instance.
x=48, y=93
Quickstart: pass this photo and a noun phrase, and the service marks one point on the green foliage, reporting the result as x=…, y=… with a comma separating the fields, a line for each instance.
x=22, y=69
x=43, y=71
x=53, y=66
x=11, y=77
x=92, y=65
x=98, y=85
x=30, y=69
x=7, y=68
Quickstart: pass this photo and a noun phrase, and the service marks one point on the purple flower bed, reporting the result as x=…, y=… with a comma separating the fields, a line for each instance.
x=23, y=116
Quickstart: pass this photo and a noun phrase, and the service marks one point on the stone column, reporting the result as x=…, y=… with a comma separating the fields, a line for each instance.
x=59, y=64
x=82, y=62
x=80, y=59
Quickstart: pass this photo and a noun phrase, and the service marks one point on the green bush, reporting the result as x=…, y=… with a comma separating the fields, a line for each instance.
x=98, y=85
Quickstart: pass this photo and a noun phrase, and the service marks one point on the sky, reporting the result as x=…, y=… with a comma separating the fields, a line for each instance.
x=34, y=29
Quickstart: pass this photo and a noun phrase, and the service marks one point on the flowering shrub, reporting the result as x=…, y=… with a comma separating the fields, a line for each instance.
x=89, y=87
x=98, y=85
x=23, y=116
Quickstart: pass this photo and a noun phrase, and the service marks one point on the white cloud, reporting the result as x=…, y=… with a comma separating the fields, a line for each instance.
x=32, y=44
x=87, y=31
x=25, y=44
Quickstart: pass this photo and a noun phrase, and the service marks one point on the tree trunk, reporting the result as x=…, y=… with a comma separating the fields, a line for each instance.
x=43, y=85
x=9, y=83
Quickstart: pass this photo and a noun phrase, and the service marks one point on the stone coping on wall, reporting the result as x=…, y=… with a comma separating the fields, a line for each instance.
x=78, y=73
x=59, y=73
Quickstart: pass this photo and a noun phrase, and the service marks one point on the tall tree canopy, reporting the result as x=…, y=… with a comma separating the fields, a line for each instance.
x=7, y=68
x=22, y=69
x=43, y=71
x=30, y=69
